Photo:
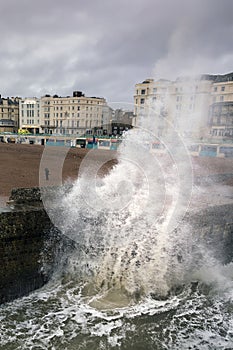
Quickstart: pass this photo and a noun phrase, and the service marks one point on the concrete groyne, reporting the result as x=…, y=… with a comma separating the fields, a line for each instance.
x=29, y=245
x=213, y=227
x=22, y=237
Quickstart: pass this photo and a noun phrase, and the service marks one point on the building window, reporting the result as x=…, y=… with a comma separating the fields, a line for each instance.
x=154, y=90
x=223, y=88
x=142, y=101
x=143, y=92
x=215, y=89
x=221, y=98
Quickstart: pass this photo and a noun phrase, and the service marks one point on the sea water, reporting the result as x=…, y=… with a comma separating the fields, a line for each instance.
x=58, y=316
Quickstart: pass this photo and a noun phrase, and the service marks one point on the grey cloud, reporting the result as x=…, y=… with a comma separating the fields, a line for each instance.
x=201, y=42
x=104, y=47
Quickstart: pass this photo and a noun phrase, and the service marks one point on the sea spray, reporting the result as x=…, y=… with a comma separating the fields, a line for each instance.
x=124, y=224
x=121, y=223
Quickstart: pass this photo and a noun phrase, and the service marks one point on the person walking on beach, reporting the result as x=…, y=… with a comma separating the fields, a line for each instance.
x=46, y=173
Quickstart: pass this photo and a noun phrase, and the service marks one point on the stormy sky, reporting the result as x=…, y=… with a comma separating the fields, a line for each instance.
x=105, y=47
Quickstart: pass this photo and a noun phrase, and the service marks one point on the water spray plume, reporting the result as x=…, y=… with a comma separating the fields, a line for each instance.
x=124, y=223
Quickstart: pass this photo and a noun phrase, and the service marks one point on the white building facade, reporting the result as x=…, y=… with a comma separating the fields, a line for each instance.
x=221, y=109
x=200, y=107
x=70, y=115
x=30, y=115
x=74, y=115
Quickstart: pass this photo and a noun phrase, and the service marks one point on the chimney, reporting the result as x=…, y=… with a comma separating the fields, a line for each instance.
x=77, y=94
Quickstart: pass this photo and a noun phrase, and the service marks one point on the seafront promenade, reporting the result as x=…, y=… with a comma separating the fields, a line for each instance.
x=20, y=165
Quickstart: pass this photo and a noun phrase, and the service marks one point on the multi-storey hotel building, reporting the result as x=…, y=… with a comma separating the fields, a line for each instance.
x=70, y=115
x=221, y=108
x=9, y=114
x=30, y=114
x=74, y=115
x=200, y=107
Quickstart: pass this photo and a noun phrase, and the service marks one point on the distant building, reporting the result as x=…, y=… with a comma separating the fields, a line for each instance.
x=189, y=106
x=221, y=108
x=148, y=95
x=108, y=114
x=124, y=117
x=9, y=114
x=122, y=121
x=30, y=115
x=74, y=115
x=200, y=107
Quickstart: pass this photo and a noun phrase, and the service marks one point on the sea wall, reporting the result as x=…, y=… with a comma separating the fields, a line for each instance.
x=213, y=228
x=31, y=248
x=23, y=237
x=26, y=196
